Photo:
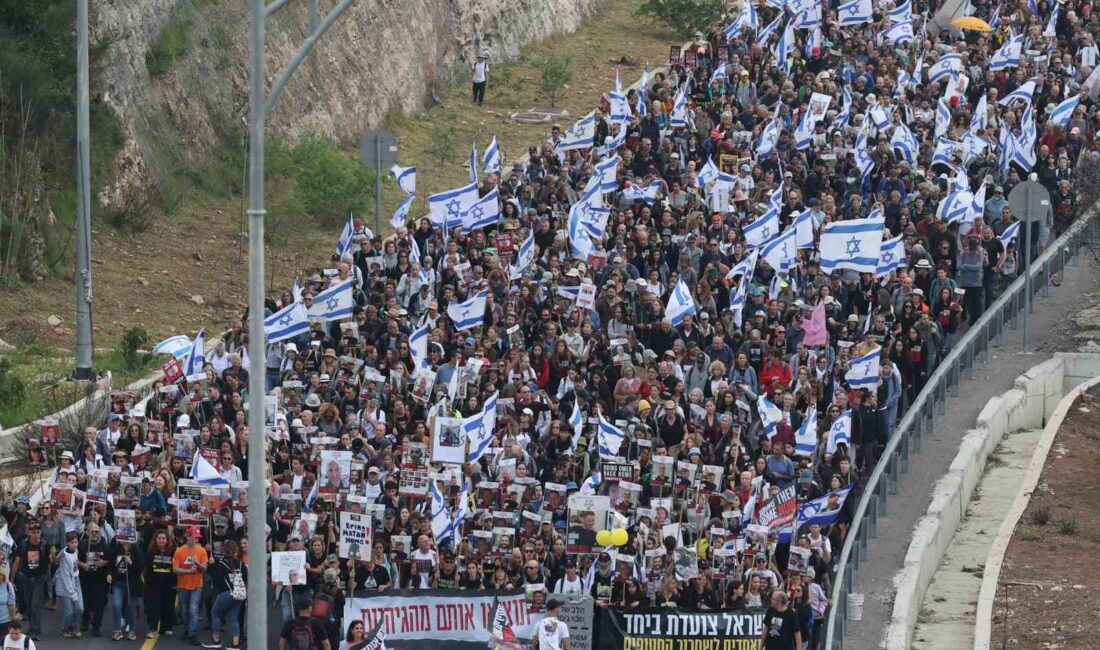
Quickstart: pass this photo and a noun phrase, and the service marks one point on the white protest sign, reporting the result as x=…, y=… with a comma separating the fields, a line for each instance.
x=355, y=535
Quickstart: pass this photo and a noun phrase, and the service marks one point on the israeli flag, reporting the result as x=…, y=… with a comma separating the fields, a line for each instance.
x=708, y=173
x=589, y=487
x=473, y=163
x=484, y=213
x=311, y=498
x=1052, y=24
x=769, y=137
x=607, y=171
x=746, y=267
x=902, y=13
x=680, y=303
x=491, y=159
x=787, y=45
x=815, y=40
x=980, y=116
x=804, y=132
x=803, y=227
x=1023, y=93
x=335, y=303
x=1006, y=142
x=719, y=74
x=737, y=299
x=947, y=64
x=955, y=206
x=288, y=322
x=678, y=118
x=347, y=237
x=1062, y=112
x=178, y=346
x=401, y=214
x=977, y=205
x=805, y=439
x=203, y=472
x=905, y=143
x=943, y=118
x=764, y=34
x=1008, y=56
x=469, y=314
x=863, y=371
x=1011, y=235
x=405, y=177
x=747, y=19
x=852, y=244
x=620, y=107
x=581, y=135
x=614, y=142
x=759, y=232
x=448, y=207
x=781, y=252
x=944, y=151
x=770, y=415
x=996, y=17
x=855, y=12
x=845, y=113
x=864, y=161
x=638, y=193
x=576, y=421
x=1023, y=149
x=892, y=256
x=808, y=18
x=480, y=428
x=418, y=347
x=196, y=357
x=840, y=432
x=462, y=509
x=899, y=33
x=525, y=257
x=904, y=81
x=824, y=510
x=610, y=437
x=580, y=243
x=442, y=529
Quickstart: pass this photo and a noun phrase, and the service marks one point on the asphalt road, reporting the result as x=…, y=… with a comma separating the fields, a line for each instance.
x=1050, y=331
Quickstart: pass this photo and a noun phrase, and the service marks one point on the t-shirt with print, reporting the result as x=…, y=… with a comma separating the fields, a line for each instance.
x=33, y=560
x=189, y=557
x=425, y=564
x=781, y=629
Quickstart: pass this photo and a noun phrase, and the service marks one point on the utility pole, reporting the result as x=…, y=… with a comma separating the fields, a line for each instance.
x=83, y=275
x=260, y=103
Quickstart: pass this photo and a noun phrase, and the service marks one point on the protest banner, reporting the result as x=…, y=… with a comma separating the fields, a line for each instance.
x=623, y=628
x=587, y=514
x=288, y=567
x=355, y=535
x=577, y=614
x=779, y=510
x=420, y=619
x=335, y=471
x=448, y=441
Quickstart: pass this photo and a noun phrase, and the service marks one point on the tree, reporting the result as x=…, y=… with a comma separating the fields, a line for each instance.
x=441, y=137
x=556, y=72
x=685, y=16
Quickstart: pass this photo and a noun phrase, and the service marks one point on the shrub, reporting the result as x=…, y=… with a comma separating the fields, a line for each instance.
x=1042, y=515
x=172, y=42
x=555, y=73
x=685, y=16
x=329, y=184
x=133, y=340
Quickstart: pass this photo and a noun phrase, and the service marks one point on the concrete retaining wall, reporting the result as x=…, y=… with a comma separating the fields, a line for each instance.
x=1031, y=401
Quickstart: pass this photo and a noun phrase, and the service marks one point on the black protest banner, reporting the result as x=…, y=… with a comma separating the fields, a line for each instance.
x=657, y=628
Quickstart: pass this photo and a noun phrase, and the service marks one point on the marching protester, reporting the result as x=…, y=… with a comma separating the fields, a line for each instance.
x=646, y=364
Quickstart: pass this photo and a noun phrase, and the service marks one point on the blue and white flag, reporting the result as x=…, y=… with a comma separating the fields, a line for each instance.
x=462, y=509
x=864, y=161
x=980, y=117
x=288, y=322
x=977, y=204
x=448, y=207
x=1011, y=235
x=1022, y=94
x=607, y=171
x=196, y=357
x=469, y=314
x=678, y=117
x=804, y=132
x=763, y=35
x=943, y=118
x=473, y=163
x=442, y=529
x=609, y=436
x=945, y=150
x=781, y=252
x=805, y=439
x=891, y=256
x=1052, y=24
x=491, y=160
x=803, y=226
x=1062, y=112
x=576, y=422
x=418, y=347
x=769, y=137
x=620, y=107
x=588, y=488
x=334, y=303
x=484, y=213
x=581, y=135
x=205, y=473
x=525, y=257
x=955, y=206
x=852, y=244
x=840, y=432
x=405, y=177
x=178, y=346
x=845, y=113
x=765, y=227
x=580, y=242
x=708, y=173
x=770, y=415
x=808, y=18
x=1005, y=142
x=995, y=19
x=747, y=19
x=347, y=238
x=746, y=267
x=824, y=510
x=855, y=12
x=613, y=142
x=902, y=13
x=401, y=214
x=947, y=64
x=638, y=193
x=1008, y=56
x=787, y=45
x=905, y=143
x=680, y=303
x=863, y=371
x=880, y=117
x=480, y=429
x=311, y=498
x=899, y=33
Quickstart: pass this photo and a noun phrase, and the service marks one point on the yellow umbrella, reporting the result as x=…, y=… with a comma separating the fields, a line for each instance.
x=971, y=23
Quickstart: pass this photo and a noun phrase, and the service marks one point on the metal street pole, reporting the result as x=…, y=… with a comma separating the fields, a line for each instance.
x=378, y=188
x=83, y=274
x=257, y=457
x=260, y=104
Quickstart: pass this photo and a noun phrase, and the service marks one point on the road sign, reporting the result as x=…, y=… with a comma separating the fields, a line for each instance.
x=378, y=150
x=1030, y=203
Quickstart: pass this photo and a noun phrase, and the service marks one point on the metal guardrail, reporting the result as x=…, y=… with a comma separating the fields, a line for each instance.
x=969, y=349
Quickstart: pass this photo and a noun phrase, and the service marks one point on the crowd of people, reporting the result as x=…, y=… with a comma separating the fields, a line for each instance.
x=636, y=360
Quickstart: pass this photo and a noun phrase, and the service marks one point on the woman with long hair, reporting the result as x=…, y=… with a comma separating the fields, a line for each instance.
x=225, y=574
x=160, y=585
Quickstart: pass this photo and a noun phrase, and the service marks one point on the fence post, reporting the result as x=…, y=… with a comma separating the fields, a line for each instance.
x=1046, y=279
x=955, y=378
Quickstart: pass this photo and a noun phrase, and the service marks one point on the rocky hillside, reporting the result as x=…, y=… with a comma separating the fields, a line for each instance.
x=176, y=71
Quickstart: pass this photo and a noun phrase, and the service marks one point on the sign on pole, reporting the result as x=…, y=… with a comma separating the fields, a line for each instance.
x=378, y=150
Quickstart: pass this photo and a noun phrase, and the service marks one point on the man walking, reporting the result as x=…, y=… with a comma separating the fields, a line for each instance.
x=781, y=630
x=31, y=566
x=553, y=634
x=189, y=564
x=481, y=76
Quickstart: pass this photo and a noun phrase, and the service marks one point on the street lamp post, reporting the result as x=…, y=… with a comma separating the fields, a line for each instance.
x=261, y=101
x=83, y=202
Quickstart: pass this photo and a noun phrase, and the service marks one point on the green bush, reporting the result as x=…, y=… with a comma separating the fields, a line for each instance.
x=133, y=340
x=329, y=184
x=555, y=74
x=13, y=391
x=685, y=16
x=173, y=41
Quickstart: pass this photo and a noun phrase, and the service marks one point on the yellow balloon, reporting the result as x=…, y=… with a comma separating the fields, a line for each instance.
x=619, y=537
x=604, y=538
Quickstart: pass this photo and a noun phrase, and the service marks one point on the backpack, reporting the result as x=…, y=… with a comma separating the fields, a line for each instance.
x=301, y=635
x=237, y=588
